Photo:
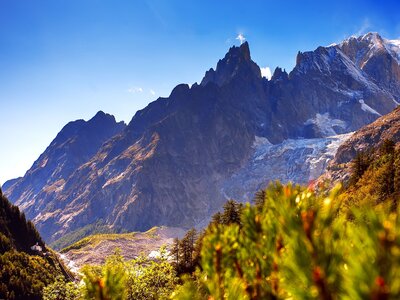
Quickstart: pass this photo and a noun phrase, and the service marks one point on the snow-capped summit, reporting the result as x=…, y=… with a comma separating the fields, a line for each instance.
x=393, y=46
x=378, y=57
x=362, y=48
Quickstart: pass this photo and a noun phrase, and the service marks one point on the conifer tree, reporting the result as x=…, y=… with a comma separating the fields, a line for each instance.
x=187, y=250
x=259, y=198
x=175, y=253
x=360, y=164
x=387, y=147
x=216, y=219
x=231, y=213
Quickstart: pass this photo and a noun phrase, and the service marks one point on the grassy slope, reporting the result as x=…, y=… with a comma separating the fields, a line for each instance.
x=81, y=233
x=95, y=248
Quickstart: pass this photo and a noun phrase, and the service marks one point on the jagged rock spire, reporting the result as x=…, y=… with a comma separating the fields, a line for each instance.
x=236, y=62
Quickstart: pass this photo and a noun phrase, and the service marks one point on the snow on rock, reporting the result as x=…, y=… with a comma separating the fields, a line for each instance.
x=298, y=161
x=393, y=47
x=368, y=108
x=326, y=124
x=70, y=264
x=260, y=141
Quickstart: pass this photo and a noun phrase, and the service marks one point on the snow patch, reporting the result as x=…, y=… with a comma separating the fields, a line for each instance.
x=259, y=140
x=326, y=124
x=368, y=108
x=393, y=47
x=70, y=264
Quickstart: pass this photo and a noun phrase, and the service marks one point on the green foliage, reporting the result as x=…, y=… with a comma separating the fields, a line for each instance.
x=185, y=252
x=259, y=198
x=300, y=245
x=192, y=289
x=360, y=164
x=93, y=240
x=5, y=243
x=24, y=276
x=73, y=237
x=387, y=147
x=107, y=283
x=373, y=264
x=14, y=226
x=150, y=279
x=60, y=289
x=231, y=214
x=379, y=182
x=137, y=279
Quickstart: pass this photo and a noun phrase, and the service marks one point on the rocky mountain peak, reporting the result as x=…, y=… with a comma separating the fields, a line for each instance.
x=322, y=60
x=243, y=51
x=362, y=48
x=279, y=74
x=376, y=56
x=101, y=116
x=74, y=145
x=183, y=155
x=237, y=62
x=180, y=90
x=102, y=119
x=372, y=37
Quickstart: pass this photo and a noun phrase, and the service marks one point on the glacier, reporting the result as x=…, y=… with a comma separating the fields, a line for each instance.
x=294, y=160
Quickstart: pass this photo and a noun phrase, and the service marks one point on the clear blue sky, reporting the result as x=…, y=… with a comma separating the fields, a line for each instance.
x=62, y=60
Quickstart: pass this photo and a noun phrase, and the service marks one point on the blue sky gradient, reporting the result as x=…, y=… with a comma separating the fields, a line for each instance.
x=65, y=60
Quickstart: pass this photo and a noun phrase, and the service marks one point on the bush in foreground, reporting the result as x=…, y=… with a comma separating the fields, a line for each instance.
x=296, y=244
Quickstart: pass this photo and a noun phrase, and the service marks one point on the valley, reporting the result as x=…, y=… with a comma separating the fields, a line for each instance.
x=210, y=150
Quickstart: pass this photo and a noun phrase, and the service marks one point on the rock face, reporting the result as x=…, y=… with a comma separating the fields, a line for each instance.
x=74, y=145
x=377, y=57
x=369, y=137
x=180, y=157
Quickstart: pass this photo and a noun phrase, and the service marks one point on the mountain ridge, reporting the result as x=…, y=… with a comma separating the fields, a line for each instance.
x=170, y=165
x=74, y=144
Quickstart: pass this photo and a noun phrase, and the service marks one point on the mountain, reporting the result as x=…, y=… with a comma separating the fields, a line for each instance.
x=376, y=56
x=74, y=145
x=179, y=158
